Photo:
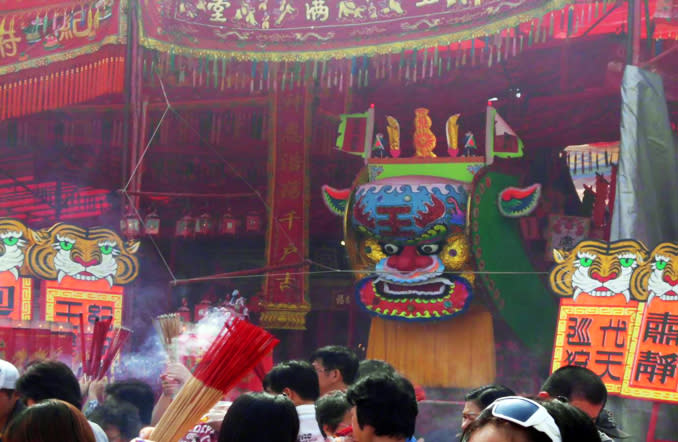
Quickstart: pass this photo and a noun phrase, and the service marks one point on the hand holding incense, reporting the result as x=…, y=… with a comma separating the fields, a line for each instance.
x=169, y=327
x=237, y=349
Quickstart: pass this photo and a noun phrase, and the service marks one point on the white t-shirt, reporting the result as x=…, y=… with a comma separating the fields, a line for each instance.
x=309, y=431
x=99, y=433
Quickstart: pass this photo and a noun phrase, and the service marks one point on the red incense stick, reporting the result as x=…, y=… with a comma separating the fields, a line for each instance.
x=83, y=354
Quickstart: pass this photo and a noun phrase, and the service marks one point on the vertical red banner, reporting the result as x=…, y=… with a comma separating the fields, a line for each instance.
x=285, y=304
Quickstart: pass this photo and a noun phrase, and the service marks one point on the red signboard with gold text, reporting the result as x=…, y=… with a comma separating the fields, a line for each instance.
x=285, y=303
x=93, y=299
x=595, y=336
x=651, y=366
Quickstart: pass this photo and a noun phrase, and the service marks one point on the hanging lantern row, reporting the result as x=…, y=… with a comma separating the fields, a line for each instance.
x=204, y=225
x=188, y=226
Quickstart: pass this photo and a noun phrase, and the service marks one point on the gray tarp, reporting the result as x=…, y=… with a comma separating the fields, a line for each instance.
x=646, y=206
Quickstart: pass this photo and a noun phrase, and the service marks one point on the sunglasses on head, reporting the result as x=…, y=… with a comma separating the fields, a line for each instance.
x=526, y=413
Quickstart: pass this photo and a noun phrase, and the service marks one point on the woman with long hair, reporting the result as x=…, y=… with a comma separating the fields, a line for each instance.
x=51, y=420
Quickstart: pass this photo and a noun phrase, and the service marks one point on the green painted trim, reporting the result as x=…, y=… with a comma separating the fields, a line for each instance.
x=452, y=170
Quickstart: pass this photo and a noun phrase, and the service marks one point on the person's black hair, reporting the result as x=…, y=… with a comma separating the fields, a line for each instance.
x=371, y=366
x=574, y=382
x=50, y=379
x=137, y=393
x=298, y=376
x=260, y=417
x=331, y=409
x=386, y=403
x=574, y=424
x=340, y=358
x=48, y=421
x=485, y=395
x=120, y=414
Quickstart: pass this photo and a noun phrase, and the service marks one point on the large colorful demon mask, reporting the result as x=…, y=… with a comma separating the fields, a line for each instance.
x=408, y=235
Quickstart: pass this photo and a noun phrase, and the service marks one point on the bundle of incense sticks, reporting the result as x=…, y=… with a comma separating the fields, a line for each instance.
x=101, y=327
x=97, y=363
x=169, y=327
x=120, y=336
x=237, y=349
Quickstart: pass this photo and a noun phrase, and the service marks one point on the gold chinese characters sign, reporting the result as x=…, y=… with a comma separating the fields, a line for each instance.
x=620, y=315
x=37, y=32
x=296, y=30
x=284, y=304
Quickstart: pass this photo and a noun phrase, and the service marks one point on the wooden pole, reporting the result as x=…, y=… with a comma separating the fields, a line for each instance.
x=141, y=146
x=635, y=31
x=629, y=32
x=131, y=19
x=134, y=108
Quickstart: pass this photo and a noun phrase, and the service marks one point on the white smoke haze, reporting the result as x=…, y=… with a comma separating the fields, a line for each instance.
x=147, y=364
x=150, y=359
x=194, y=342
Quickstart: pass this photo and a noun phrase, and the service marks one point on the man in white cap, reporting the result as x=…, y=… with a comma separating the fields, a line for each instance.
x=10, y=405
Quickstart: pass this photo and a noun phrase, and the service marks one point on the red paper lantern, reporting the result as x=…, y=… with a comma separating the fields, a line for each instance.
x=185, y=227
x=253, y=222
x=229, y=225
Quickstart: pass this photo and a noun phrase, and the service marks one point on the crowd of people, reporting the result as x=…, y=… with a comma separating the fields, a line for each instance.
x=331, y=397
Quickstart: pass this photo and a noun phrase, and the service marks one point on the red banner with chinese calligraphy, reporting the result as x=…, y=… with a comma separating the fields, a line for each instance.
x=49, y=31
x=285, y=304
x=64, y=303
x=16, y=295
x=595, y=335
x=651, y=370
x=303, y=30
x=46, y=33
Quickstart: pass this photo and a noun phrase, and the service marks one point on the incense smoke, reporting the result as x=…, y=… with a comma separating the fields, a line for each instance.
x=195, y=341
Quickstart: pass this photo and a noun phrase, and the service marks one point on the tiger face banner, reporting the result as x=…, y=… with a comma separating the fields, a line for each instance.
x=96, y=254
x=16, y=291
x=92, y=259
x=65, y=251
x=619, y=317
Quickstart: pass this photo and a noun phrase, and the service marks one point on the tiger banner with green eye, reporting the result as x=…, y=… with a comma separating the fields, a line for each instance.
x=64, y=252
x=96, y=255
x=619, y=315
x=16, y=291
x=652, y=363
